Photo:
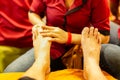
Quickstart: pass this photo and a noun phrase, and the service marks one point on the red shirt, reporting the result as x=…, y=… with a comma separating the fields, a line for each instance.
x=15, y=28
x=94, y=12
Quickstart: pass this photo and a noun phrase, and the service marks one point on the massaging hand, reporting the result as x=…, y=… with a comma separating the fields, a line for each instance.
x=57, y=35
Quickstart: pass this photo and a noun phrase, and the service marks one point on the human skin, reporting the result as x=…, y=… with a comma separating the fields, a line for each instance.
x=91, y=55
x=41, y=66
x=76, y=38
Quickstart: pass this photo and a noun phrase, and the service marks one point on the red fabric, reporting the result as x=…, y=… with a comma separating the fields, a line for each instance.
x=69, y=38
x=119, y=33
x=95, y=12
x=15, y=28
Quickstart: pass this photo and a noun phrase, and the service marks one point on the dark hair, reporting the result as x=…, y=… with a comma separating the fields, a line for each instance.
x=26, y=78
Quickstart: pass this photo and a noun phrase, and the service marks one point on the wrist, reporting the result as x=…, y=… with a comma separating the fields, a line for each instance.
x=76, y=38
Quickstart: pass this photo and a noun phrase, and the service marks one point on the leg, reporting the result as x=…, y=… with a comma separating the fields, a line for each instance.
x=26, y=60
x=114, y=33
x=107, y=61
x=9, y=54
x=110, y=59
x=90, y=37
x=41, y=66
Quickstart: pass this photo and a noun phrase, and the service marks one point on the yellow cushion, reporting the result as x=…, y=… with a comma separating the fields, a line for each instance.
x=67, y=74
x=10, y=76
x=8, y=54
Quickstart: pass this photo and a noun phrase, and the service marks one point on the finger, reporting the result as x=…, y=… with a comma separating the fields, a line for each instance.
x=45, y=31
x=34, y=32
x=55, y=30
x=54, y=40
x=37, y=26
x=40, y=29
x=49, y=35
x=33, y=37
x=48, y=27
x=33, y=29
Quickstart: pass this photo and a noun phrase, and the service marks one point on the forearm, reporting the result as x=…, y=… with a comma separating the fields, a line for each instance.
x=76, y=38
x=35, y=18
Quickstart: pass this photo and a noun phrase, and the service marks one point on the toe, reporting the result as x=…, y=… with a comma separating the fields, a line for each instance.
x=85, y=32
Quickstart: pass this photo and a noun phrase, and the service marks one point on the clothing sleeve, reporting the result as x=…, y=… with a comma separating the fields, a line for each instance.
x=38, y=6
x=100, y=16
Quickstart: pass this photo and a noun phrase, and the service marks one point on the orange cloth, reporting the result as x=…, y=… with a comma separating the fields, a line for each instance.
x=68, y=74
x=71, y=74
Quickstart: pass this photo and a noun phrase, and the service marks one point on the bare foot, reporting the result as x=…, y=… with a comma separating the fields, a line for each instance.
x=41, y=66
x=40, y=43
x=42, y=50
x=91, y=44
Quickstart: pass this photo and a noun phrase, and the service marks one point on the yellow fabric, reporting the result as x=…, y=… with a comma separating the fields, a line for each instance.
x=10, y=76
x=8, y=54
x=71, y=74
x=68, y=74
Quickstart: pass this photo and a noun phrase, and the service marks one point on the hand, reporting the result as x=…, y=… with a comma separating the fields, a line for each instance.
x=35, y=30
x=55, y=33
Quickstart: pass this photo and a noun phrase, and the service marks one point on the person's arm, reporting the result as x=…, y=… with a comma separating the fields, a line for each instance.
x=104, y=39
x=36, y=13
x=76, y=38
x=60, y=36
x=35, y=18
